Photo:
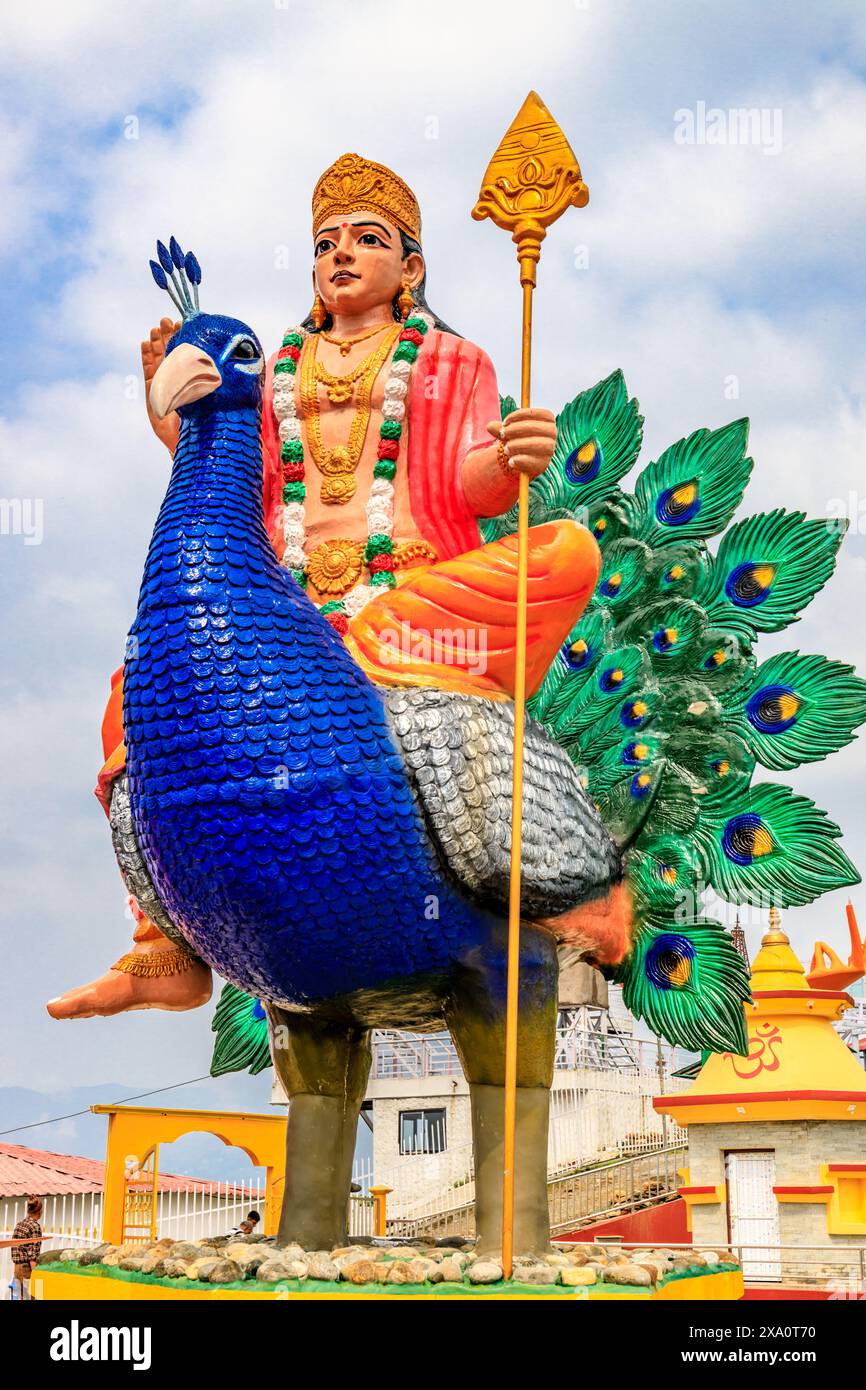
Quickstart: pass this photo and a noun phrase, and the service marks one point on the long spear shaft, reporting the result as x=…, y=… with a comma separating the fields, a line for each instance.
x=532, y=178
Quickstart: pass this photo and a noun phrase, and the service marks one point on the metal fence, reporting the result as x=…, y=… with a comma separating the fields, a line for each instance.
x=614, y=1188
x=412, y=1056
x=74, y=1219
x=575, y=1198
x=839, y=1270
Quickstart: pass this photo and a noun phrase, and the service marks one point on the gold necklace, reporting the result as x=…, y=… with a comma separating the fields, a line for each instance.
x=341, y=388
x=338, y=463
x=346, y=344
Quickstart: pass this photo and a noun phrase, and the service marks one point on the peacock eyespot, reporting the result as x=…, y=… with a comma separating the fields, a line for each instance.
x=674, y=574
x=750, y=583
x=611, y=678
x=635, y=753
x=576, y=655
x=584, y=463
x=665, y=638
x=677, y=505
x=599, y=528
x=669, y=961
x=721, y=767
x=611, y=585
x=640, y=784
x=716, y=658
x=667, y=873
x=746, y=838
x=773, y=709
x=633, y=712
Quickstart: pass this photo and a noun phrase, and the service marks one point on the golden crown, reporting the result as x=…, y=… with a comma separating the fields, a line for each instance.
x=353, y=184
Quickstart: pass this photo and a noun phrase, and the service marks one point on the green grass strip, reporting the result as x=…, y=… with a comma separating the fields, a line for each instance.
x=344, y=1287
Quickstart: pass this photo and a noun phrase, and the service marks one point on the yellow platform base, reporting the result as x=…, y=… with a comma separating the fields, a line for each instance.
x=54, y=1285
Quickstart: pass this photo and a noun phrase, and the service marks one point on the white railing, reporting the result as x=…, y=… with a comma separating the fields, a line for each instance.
x=599, y=1117
x=67, y=1221
x=612, y=1189
x=362, y=1174
x=412, y=1056
x=186, y=1213
x=361, y=1204
x=837, y=1269
x=191, y=1213
x=575, y=1198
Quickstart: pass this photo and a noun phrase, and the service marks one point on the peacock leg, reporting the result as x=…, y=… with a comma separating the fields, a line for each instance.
x=323, y=1067
x=475, y=1014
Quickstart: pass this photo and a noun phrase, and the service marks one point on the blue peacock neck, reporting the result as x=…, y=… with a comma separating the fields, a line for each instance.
x=209, y=541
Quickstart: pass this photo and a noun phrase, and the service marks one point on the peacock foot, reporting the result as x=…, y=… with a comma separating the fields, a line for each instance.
x=120, y=991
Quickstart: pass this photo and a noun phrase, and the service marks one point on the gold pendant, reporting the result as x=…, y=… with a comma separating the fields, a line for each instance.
x=336, y=461
x=338, y=489
x=335, y=567
x=341, y=390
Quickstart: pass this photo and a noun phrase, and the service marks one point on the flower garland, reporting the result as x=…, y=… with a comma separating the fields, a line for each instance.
x=379, y=549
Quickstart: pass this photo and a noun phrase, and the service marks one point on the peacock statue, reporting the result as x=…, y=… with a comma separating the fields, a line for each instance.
x=337, y=848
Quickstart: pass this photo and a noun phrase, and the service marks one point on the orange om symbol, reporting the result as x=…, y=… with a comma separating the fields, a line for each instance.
x=762, y=1056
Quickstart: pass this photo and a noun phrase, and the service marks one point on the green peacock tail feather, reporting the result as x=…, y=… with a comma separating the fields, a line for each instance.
x=695, y=487
x=658, y=699
x=690, y=984
x=796, y=709
x=241, y=1034
x=767, y=568
x=768, y=845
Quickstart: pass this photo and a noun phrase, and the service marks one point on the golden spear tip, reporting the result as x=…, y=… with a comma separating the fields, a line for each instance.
x=533, y=175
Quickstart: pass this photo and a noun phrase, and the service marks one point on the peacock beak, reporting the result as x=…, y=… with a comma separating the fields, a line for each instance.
x=186, y=374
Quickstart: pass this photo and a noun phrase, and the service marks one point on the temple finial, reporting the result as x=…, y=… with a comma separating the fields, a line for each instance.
x=774, y=936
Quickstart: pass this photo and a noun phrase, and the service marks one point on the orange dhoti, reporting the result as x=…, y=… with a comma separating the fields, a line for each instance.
x=454, y=624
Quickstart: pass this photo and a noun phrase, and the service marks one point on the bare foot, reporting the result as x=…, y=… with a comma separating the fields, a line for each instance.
x=115, y=992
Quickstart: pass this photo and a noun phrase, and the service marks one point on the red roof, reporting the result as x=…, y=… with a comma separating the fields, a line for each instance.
x=36, y=1172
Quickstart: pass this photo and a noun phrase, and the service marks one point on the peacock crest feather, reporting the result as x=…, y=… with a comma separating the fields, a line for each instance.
x=179, y=275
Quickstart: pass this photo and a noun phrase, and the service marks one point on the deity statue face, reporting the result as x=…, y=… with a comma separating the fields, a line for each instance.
x=359, y=263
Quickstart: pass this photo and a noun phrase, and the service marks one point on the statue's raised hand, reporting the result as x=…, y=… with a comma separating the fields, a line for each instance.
x=152, y=353
x=528, y=438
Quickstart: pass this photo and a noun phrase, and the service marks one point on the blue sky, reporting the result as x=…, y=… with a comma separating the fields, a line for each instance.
x=726, y=279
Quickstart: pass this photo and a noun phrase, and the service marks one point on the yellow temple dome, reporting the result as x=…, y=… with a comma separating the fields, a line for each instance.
x=797, y=1068
x=775, y=966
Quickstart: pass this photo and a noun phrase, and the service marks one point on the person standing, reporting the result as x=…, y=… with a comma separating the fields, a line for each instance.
x=25, y=1254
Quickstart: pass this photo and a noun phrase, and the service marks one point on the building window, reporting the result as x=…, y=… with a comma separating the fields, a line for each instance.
x=422, y=1131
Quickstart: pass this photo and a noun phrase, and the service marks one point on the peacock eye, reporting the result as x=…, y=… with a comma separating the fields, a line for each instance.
x=245, y=349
